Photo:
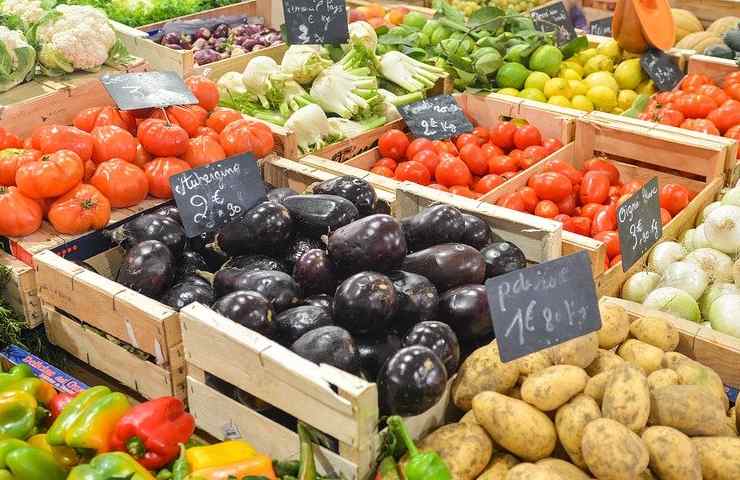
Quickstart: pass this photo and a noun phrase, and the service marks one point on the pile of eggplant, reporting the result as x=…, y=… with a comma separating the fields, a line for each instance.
x=336, y=280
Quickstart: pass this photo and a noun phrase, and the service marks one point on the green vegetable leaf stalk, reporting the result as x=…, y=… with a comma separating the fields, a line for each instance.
x=421, y=465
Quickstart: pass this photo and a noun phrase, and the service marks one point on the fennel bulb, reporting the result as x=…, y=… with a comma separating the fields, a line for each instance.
x=312, y=128
x=348, y=93
x=264, y=79
x=410, y=74
x=304, y=63
x=363, y=33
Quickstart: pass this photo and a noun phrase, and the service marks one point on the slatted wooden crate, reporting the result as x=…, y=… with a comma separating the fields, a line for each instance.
x=709, y=10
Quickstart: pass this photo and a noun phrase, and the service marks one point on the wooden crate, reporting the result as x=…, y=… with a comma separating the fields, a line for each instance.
x=716, y=68
x=420, y=6
x=20, y=290
x=709, y=10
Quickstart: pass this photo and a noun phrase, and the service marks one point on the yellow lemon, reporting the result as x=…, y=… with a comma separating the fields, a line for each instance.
x=604, y=79
x=628, y=74
x=558, y=86
x=610, y=49
x=603, y=98
x=618, y=111
x=585, y=56
x=625, y=98
x=560, y=101
x=579, y=87
x=573, y=65
x=581, y=102
x=569, y=74
x=536, y=80
x=598, y=63
x=533, y=94
x=647, y=87
x=513, y=92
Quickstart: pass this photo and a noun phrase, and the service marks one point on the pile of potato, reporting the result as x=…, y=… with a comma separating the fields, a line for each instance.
x=618, y=404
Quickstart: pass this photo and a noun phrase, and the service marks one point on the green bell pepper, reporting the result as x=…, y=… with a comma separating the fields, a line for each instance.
x=20, y=461
x=73, y=410
x=111, y=465
x=17, y=415
x=18, y=372
x=421, y=465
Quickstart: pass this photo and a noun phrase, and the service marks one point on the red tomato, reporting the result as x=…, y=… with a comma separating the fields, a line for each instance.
x=669, y=116
x=508, y=175
x=467, y=138
x=247, y=136
x=222, y=117
x=602, y=221
x=437, y=186
x=603, y=165
x=631, y=187
x=11, y=159
x=9, y=140
x=52, y=138
x=693, y=81
x=110, y=141
x=203, y=151
x=381, y=170
x=487, y=183
x=162, y=139
x=474, y=158
x=445, y=147
x=490, y=150
x=526, y=136
x=386, y=162
x=529, y=197
x=713, y=92
x=665, y=216
x=429, y=158
x=413, y=171
x=417, y=146
x=90, y=118
x=734, y=133
x=502, y=164
x=464, y=191
x=482, y=133
x=452, y=171
x=523, y=160
x=502, y=135
x=552, y=145
x=551, y=186
x=546, y=209
x=568, y=204
x=731, y=79
x=561, y=166
x=733, y=90
x=205, y=90
x=512, y=201
x=393, y=144
x=589, y=210
x=695, y=105
x=674, y=197
x=537, y=152
x=611, y=239
x=579, y=225
x=159, y=171
x=726, y=116
x=595, y=187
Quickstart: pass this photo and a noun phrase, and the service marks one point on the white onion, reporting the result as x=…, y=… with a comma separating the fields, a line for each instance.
x=723, y=314
x=712, y=293
x=674, y=301
x=639, y=285
x=722, y=228
x=706, y=324
x=686, y=276
x=699, y=239
x=665, y=254
x=736, y=272
x=687, y=239
x=706, y=211
x=732, y=197
x=715, y=264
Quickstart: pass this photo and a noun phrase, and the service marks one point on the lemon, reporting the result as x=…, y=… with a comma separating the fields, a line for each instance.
x=569, y=74
x=598, y=63
x=610, y=49
x=605, y=79
x=546, y=58
x=627, y=55
x=581, y=102
x=560, y=101
x=628, y=74
x=618, y=111
x=585, y=56
x=558, y=86
x=533, y=94
x=536, y=80
x=513, y=92
x=511, y=75
x=579, y=87
x=573, y=65
x=647, y=87
x=625, y=98
x=603, y=98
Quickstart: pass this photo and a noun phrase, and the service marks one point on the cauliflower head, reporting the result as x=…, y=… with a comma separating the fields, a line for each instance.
x=29, y=11
x=75, y=37
x=17, y=58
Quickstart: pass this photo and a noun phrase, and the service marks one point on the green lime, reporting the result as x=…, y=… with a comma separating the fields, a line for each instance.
x=512, y=75
x=546, y=58
x=415, y=20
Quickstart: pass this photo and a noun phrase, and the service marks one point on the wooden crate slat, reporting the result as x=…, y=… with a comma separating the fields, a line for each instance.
x=709, y=10
x=20, y=291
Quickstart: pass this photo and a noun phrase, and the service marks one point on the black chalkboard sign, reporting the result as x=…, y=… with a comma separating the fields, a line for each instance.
x=662, y=69
x=639, y=223
x=215, y=195
x=132, y=91
x=602, y=27
x=316, y=21
x=438, y=118
x=542, y=306
x=554, y=17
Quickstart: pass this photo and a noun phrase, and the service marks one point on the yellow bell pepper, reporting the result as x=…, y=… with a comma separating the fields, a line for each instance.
x=219, y=454
x=259, y=465
x=64, y=456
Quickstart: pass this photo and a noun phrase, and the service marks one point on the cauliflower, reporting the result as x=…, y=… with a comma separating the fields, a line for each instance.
x=29, y=11
x=17, y=58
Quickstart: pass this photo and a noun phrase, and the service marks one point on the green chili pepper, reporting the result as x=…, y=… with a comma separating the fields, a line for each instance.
x=421, y=465
x=180, y=469
x=289, y=468
x=308, y=465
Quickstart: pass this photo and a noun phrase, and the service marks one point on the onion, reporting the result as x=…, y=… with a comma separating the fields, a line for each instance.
x=722, y=228
x=687, y=239
x=639, y=285
x=707, y=210
x=700, y=238
x=674, y=301
x=715, y=264
x=686, y=276
x=736, y=272
x=665, y=254
x=723, y=314
x=732, y=197
x=712, y=293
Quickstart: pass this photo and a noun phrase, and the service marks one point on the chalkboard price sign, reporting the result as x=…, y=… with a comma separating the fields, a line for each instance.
x=639, y=223
x=438, y=118
x=215, y=195
x=316, y=21
x=554, y=17
x=542, y=306
x=602, y=27
x=662, y=69
x=132, y=91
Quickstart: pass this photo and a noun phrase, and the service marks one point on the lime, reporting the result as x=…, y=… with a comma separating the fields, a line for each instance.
x=558, y=86
x=647, y=87
x=605, y=79
x=560, y=101
x=569, y=74
x=610, y=49
x=579, y=87
x=603, y=98
x=533, y=94
x=536, y=80
x=598, y=63
x=585, y=55
x=512, y=75
x=546, y=58
x=415, y=20
x=629, y=74
x=581, y=102
x=512, y=92
x=625, y=98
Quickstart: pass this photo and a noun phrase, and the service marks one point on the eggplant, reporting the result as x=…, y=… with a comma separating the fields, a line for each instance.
x=249, y=309
x=439, y=338
x=411, y=382
x=277, y=195
x=321, y=300
x=365, y=303
x=503, y=257
x=382, y=207
x=298, y=248
x=294, y=322
x=206, y=56
x=190, y=262
x=417, y=300
x=374, y=350
x=183, y=294
x=224, y=281
x=371, y=243
x=204, y=244
x=171, y=38
x=277, y=287
x=254, y=263
x=317, y=215
x=447, y=266
x=151, y=227
x=263, y=229
x=331, y=345
x=169, y=211
x=314, y=272
x=432, y=226
x=194, y=279
x=465, y=309
x=354, y=189
x=477, y=232
x=148, y=268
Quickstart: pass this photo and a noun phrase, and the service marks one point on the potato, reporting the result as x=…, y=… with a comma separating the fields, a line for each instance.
x=605, y=360
x=515, y=425
x=615, y=326
x=482, y=371
x=719, y=457
x=673, y=359
x=533, y=363
x=469, y=417
x=672, y=455
x=646, y=475
x=553, y=386
x=580, y=351
x=563, y=468
x=627, y=398
x=733, y=419
x=662, y=378
x=465, y=448
x=570, y=420
x=530, y=471
x=596, y=385
x=690, y=409
x=515, y=392
x=694, y=373
x=498, y=467
x=612, y=451
x=655, y=331
x=642, y=355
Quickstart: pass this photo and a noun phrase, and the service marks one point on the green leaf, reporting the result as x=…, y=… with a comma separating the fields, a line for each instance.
x=466, y=78
x=399, y=36
x=13, y=22
x=484, y=17
x=414, y=52
x=446, y=10
x=574, y=46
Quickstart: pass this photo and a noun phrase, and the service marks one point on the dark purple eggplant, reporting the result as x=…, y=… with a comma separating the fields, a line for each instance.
x=183, y=294
x=277, y=195
x=278, y=287
x=314, y=272
x=172, y=38
x=169, y=211
x=249, y=309
x=447, y=266
x=374, y=350
x=321, y=300
x=263, y=229
x=254, y=263
x=190, y=262
x=224, y=281
x=477, y=232
x=465, y=309
x=205, y=245
x=203, y=33
x=294, y=322
x=439, y=338
x=365, y=303
x=411, y=382
x=317, y=215
x=206, y=56
x=371, y=243
x=503, y=257
x=148, y=268
x=417, y=300
x=298, y=248
x=382, y=207
x=331, y=345
x=151, y=227
x=433, y=226
x=194, y=279
x=221, y=31
x=356, y=190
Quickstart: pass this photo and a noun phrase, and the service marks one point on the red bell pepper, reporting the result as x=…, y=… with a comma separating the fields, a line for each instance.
x=152, y=432
x=58, y=402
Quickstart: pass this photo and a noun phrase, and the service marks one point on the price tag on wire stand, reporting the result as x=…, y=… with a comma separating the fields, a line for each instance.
x=538, y=307
x=437, y=118
x=132, y=91
x=602, y=27
x=639, y=223
x=662, y=69
x=554, y=18
x=215, y=195
x=316, y=21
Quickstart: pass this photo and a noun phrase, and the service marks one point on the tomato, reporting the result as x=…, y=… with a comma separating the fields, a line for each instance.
x=568, y=204
x=669, y=116
x=382, y=170
x=579, y=225
x=665, y=216
x=158, y=173
x=731, y=79
x=615, y=261
x=123, y=183
x=695, y=105
x=142, y=156
x=527, y=136
x=551, y=186
x=90, y=118
x=502, y=135
x=445, y=147
x=602, y=221
x=611, y=239
x=595, y=187
x=203, y=151
x=502, y=164
x=674, y=197
x=162, y=139
x=245, y=136
x=413, y=171
x=700, y=125
x=552, y=145
x=417, y=145
x=464, y=191
x=452, y=171
x=51, y=175
x=19, y=214
x=589, y=210
x=490, y=151
x=80, y=210
x=474, y=158
x=439, y=187
x=9, y=140
x=601, y=164
x=222, y=117
x=467, y=138
x=207, y=132
x=692, y=81
x=11, y=159
x=393, y=144
x=386, y=162
x=487, y=183
x=181, y=116
x=51, y=138
x=713, y=92
x=726, y=116
x=561, y=166
x=205, y=91
x=734, y=133
x=428, y=158
x=482, y=133
x=512, y=201
x=110, y=141
x=546, y=209
x=529, y=196
x=631, y=187
x=733, y=91
x=561, y=217
x=536, y=152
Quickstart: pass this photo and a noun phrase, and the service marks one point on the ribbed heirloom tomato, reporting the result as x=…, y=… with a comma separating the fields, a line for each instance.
x=52, y=138
x=110, y=142
x=142, y=156
x=222, y=117
x=245, y=136
x=726, y=116
x=202, y=151
x=182, y=116
x=51, y=175
x=19, y=215
x=700, y=125
x=551, y=186
x=162, y=139
x=694, y=105
x=92, y=117
x=123, y=183
x=674, y=197
x=159, y=171
x=205, y=90
x=80, y=210
x=9, y=140
x=11, y=159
